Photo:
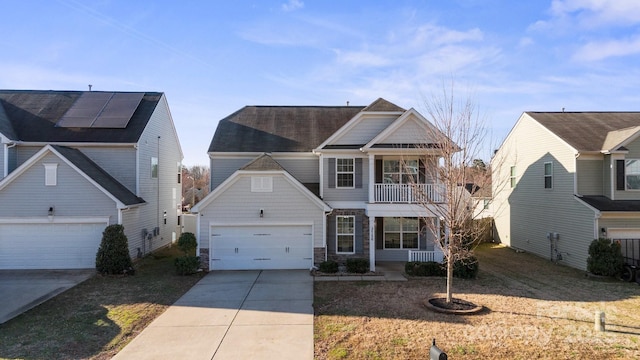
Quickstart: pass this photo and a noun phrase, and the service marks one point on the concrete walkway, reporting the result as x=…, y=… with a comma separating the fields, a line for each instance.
x=234, y=315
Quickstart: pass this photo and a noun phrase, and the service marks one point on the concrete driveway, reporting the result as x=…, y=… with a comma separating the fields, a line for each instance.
x=234, y=315
x=22, y=290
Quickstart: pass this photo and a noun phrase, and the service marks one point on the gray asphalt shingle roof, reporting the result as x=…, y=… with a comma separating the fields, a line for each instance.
x=590, y=131
x=285, y=128
x=32, y=115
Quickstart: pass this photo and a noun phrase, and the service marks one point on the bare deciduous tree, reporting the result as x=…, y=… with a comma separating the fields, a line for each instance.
x=460, y=136
x=195, y=184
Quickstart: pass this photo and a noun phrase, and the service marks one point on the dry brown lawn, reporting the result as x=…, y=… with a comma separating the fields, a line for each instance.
x=535, y=309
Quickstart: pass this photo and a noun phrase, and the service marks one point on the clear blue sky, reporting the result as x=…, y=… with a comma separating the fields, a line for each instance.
x=213, y=57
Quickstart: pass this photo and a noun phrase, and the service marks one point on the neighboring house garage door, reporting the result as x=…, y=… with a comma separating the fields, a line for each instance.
x=45, y=245
x=261, y=247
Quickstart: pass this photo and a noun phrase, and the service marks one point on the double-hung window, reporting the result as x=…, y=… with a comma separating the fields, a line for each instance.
x=632, y=174
x=512, y=176
x=345, y=234
x=345, y=173
x=396, y=171
x=401, y=233
x=548, y=175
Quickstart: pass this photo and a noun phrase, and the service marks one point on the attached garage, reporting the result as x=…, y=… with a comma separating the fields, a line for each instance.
x=44, y=244
x=261, y=247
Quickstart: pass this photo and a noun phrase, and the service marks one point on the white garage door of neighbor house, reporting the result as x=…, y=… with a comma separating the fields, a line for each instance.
x=49, y=245
x=261, y=247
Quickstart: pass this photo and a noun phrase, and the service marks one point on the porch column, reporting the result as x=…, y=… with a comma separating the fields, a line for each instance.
x=372, y=244
x=372, y=177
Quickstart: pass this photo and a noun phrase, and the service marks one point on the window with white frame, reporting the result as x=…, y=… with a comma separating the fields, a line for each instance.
x=397, y=171
x=345, y=234
x=50, y=174
x=345, y=173
x=632, y=174
x=154, y=167
x=548, y=175
x=512, y=176
x=401, y=233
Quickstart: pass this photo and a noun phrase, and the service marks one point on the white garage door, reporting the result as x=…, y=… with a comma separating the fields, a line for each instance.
x=261, y=247
x=49, y=245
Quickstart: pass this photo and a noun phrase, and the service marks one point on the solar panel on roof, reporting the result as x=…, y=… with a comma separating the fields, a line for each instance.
x=101, y=110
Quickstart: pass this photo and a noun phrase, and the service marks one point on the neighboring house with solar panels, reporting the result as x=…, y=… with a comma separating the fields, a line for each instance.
x=73, y=162
x=563, y=179
x=292, y=186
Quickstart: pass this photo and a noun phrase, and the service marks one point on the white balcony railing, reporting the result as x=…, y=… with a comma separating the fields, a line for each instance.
x=408, y=193
x=424, y=256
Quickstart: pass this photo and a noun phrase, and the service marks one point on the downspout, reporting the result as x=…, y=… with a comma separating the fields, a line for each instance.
x=7, y=146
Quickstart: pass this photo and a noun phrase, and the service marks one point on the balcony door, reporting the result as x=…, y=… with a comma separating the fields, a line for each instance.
x=400, y=171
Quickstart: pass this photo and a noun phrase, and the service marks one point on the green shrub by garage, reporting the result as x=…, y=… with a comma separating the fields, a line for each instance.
x=113, y=256
x=605, y=258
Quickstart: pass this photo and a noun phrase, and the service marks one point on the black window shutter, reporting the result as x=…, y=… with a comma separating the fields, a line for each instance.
x=380, y=233
x=359, y=239
x=378, y=172
x=331, y=234
x=332, y=173
x=620, y=174
x=422, y=172
x=358, y=173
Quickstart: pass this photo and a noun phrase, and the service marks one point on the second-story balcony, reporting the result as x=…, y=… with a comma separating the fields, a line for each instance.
x=408, y=193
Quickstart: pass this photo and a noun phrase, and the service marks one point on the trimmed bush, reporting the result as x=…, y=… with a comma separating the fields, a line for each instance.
x=188, y=243
x=329, y=267
x=467, y=269
x=429, y=268
x=187, y=265
x=113, y=254
x=358, y=266
x=605, y=258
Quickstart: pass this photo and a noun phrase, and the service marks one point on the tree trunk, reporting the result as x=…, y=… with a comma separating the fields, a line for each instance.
x=449, y=274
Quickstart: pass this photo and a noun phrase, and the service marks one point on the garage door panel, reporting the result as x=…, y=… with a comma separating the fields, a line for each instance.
x=49, y=245
x=261, y=247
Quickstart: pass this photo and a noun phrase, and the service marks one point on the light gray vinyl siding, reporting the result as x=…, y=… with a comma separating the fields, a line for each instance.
x=590, y=179
x=24, y=153
x=159, y=139
x=12, y=159
x=409, y=133
x=619, y=223
x=221, y=169
x=355, y=194
x=304, y=170
x=2, y=159
x=74, y=195
x=131, y=218
x=634, y=153
x=119, y=162
x=525, y=214
x=365, y=130
x=608, y=168
x=238, y=205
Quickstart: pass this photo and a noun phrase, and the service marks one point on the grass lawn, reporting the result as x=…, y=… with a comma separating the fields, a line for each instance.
x=95, y=319
x=536, y=309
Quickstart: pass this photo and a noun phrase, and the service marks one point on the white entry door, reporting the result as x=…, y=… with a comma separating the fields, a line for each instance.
x=261, y=247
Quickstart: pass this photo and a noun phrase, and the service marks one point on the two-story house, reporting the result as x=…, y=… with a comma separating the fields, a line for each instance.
x=74, y=162
x=563, y=179
x=292, y=186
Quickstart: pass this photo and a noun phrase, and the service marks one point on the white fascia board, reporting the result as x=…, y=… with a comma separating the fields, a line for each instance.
x=76, y=144
x=353, y=122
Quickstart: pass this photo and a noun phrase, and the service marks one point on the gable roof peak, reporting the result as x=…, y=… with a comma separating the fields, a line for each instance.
x=263, y=162
x=382, y=105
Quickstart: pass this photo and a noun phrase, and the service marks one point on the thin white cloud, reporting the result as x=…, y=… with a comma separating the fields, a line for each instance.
x=292, y=5
x=595, y=13
x=361, y=58
x=599, y=50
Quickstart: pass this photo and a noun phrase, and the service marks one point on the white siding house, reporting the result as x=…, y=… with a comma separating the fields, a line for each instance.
x=559, y=183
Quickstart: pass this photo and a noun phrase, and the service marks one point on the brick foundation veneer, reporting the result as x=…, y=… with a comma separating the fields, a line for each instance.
x=204, y=259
